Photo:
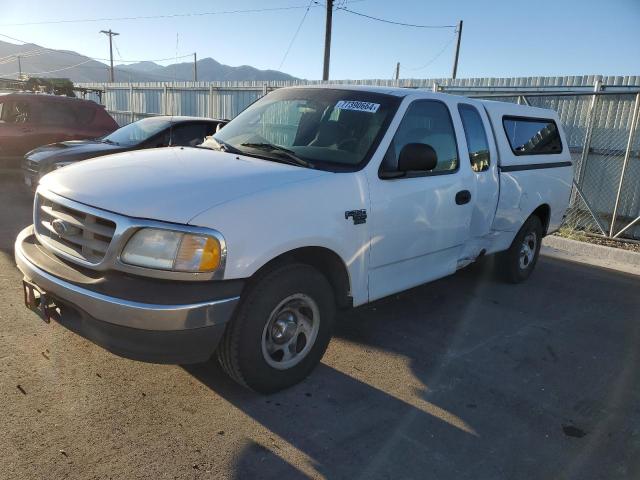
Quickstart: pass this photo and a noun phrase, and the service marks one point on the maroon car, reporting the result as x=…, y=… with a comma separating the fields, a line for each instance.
x=29, y=120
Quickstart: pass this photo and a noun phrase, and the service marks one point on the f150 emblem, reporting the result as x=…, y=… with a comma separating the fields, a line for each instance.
x=60, y=227
x=359, y=216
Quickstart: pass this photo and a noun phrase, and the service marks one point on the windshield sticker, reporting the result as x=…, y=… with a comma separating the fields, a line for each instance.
x=358, y=106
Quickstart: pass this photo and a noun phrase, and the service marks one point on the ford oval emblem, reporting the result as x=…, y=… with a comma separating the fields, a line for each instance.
x=60, y=227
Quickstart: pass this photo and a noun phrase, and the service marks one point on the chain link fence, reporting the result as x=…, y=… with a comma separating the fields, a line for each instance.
x=604, y=140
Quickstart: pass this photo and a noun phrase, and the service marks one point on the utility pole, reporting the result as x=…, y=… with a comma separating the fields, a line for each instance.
x=327, y=40
x=195, y=67
x=455, y=60
x=397, y=70
x=110, y=34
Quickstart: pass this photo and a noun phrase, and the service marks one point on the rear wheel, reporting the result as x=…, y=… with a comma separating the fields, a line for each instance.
x=280, y=330
x=516, y=264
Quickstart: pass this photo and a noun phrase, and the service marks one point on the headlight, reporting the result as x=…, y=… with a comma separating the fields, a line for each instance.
x=171, y=250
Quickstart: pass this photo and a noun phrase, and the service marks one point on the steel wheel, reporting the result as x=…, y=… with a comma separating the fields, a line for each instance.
x=528, y=250
x=290, y=331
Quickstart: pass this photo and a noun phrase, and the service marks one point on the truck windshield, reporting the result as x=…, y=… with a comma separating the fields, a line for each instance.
x=137, y=132
x=331, y=129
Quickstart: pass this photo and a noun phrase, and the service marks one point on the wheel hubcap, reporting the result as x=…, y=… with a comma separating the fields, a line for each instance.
x=290, y=331
x=528, y=250
x=284, y=328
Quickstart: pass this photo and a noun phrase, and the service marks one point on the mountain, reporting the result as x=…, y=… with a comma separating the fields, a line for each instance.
x=208, y=70
x=40, y=61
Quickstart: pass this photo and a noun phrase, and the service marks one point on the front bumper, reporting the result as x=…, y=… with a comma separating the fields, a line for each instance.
x=154, y=332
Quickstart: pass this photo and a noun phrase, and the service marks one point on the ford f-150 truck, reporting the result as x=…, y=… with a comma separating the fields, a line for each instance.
x=311, y=200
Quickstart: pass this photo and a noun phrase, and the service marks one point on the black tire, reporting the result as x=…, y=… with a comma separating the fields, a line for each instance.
x=508, y=263
x=240, y=352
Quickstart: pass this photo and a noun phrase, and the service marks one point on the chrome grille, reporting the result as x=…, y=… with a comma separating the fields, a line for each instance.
x=72, y=231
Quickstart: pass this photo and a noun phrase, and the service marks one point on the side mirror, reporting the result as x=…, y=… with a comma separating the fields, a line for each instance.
x=417, y=157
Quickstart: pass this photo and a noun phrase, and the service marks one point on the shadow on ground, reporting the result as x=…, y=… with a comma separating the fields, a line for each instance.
x=16, y=205
x=537, y=380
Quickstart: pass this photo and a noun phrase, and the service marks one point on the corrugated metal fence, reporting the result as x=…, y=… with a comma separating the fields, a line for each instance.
x=599, y=114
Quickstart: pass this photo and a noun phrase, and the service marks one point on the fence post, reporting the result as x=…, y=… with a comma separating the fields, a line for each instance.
x=211, y=101
x=587, y=136
x=165, y=100
x=131, y=102
x=627, y=155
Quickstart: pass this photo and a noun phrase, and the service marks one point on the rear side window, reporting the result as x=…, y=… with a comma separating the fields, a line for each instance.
x=532, y=136
x=85, y=114
x=57, y=113
x=476, y=136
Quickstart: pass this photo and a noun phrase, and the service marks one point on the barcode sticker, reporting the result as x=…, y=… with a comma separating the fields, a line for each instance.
x=358, y=106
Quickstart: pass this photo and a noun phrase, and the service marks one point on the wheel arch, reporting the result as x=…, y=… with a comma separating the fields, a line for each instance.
x=323, y=259
x=543, y=212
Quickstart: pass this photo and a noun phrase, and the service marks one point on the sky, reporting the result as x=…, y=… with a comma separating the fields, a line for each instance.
x=500, y=38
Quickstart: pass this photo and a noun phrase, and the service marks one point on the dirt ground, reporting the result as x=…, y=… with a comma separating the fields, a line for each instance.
x=463, y=378
x=624, y=244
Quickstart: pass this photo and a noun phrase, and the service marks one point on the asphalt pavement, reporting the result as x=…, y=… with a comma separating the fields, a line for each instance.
x=463, y=378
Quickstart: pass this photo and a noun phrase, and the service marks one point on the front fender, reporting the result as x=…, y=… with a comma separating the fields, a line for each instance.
x=267, y=224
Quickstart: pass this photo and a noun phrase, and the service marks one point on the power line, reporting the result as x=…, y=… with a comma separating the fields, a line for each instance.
x=65, y=68
x=437, y=55
x=75, y=54
x=154, y=17
x=344, y=9
x=56, y=70
x=28, y=53
x=115, y=45
x=295, y=35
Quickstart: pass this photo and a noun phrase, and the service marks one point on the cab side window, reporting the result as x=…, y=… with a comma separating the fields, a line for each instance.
x=476, y=137
x=427, y=122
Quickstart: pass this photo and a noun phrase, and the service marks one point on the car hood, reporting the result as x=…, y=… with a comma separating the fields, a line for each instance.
x=170, y=184
x=72, y=150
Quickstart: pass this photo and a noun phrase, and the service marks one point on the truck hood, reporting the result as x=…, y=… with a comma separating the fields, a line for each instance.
x=170, y=184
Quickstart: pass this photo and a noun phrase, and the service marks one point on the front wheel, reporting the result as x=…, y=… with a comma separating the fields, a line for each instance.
x=516, y=264
x=281, y=329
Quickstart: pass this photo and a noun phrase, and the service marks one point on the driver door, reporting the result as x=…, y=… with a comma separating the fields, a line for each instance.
x=420, y=221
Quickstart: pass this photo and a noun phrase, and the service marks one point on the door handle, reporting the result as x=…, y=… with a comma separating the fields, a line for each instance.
x=462, y=197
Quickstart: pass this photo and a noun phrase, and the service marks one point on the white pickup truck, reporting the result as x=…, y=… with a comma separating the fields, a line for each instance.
x=313, y=199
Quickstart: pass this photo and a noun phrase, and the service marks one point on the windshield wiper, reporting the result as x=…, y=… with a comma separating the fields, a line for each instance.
x=222, y=146
x=110, y=142
x=293, y=159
